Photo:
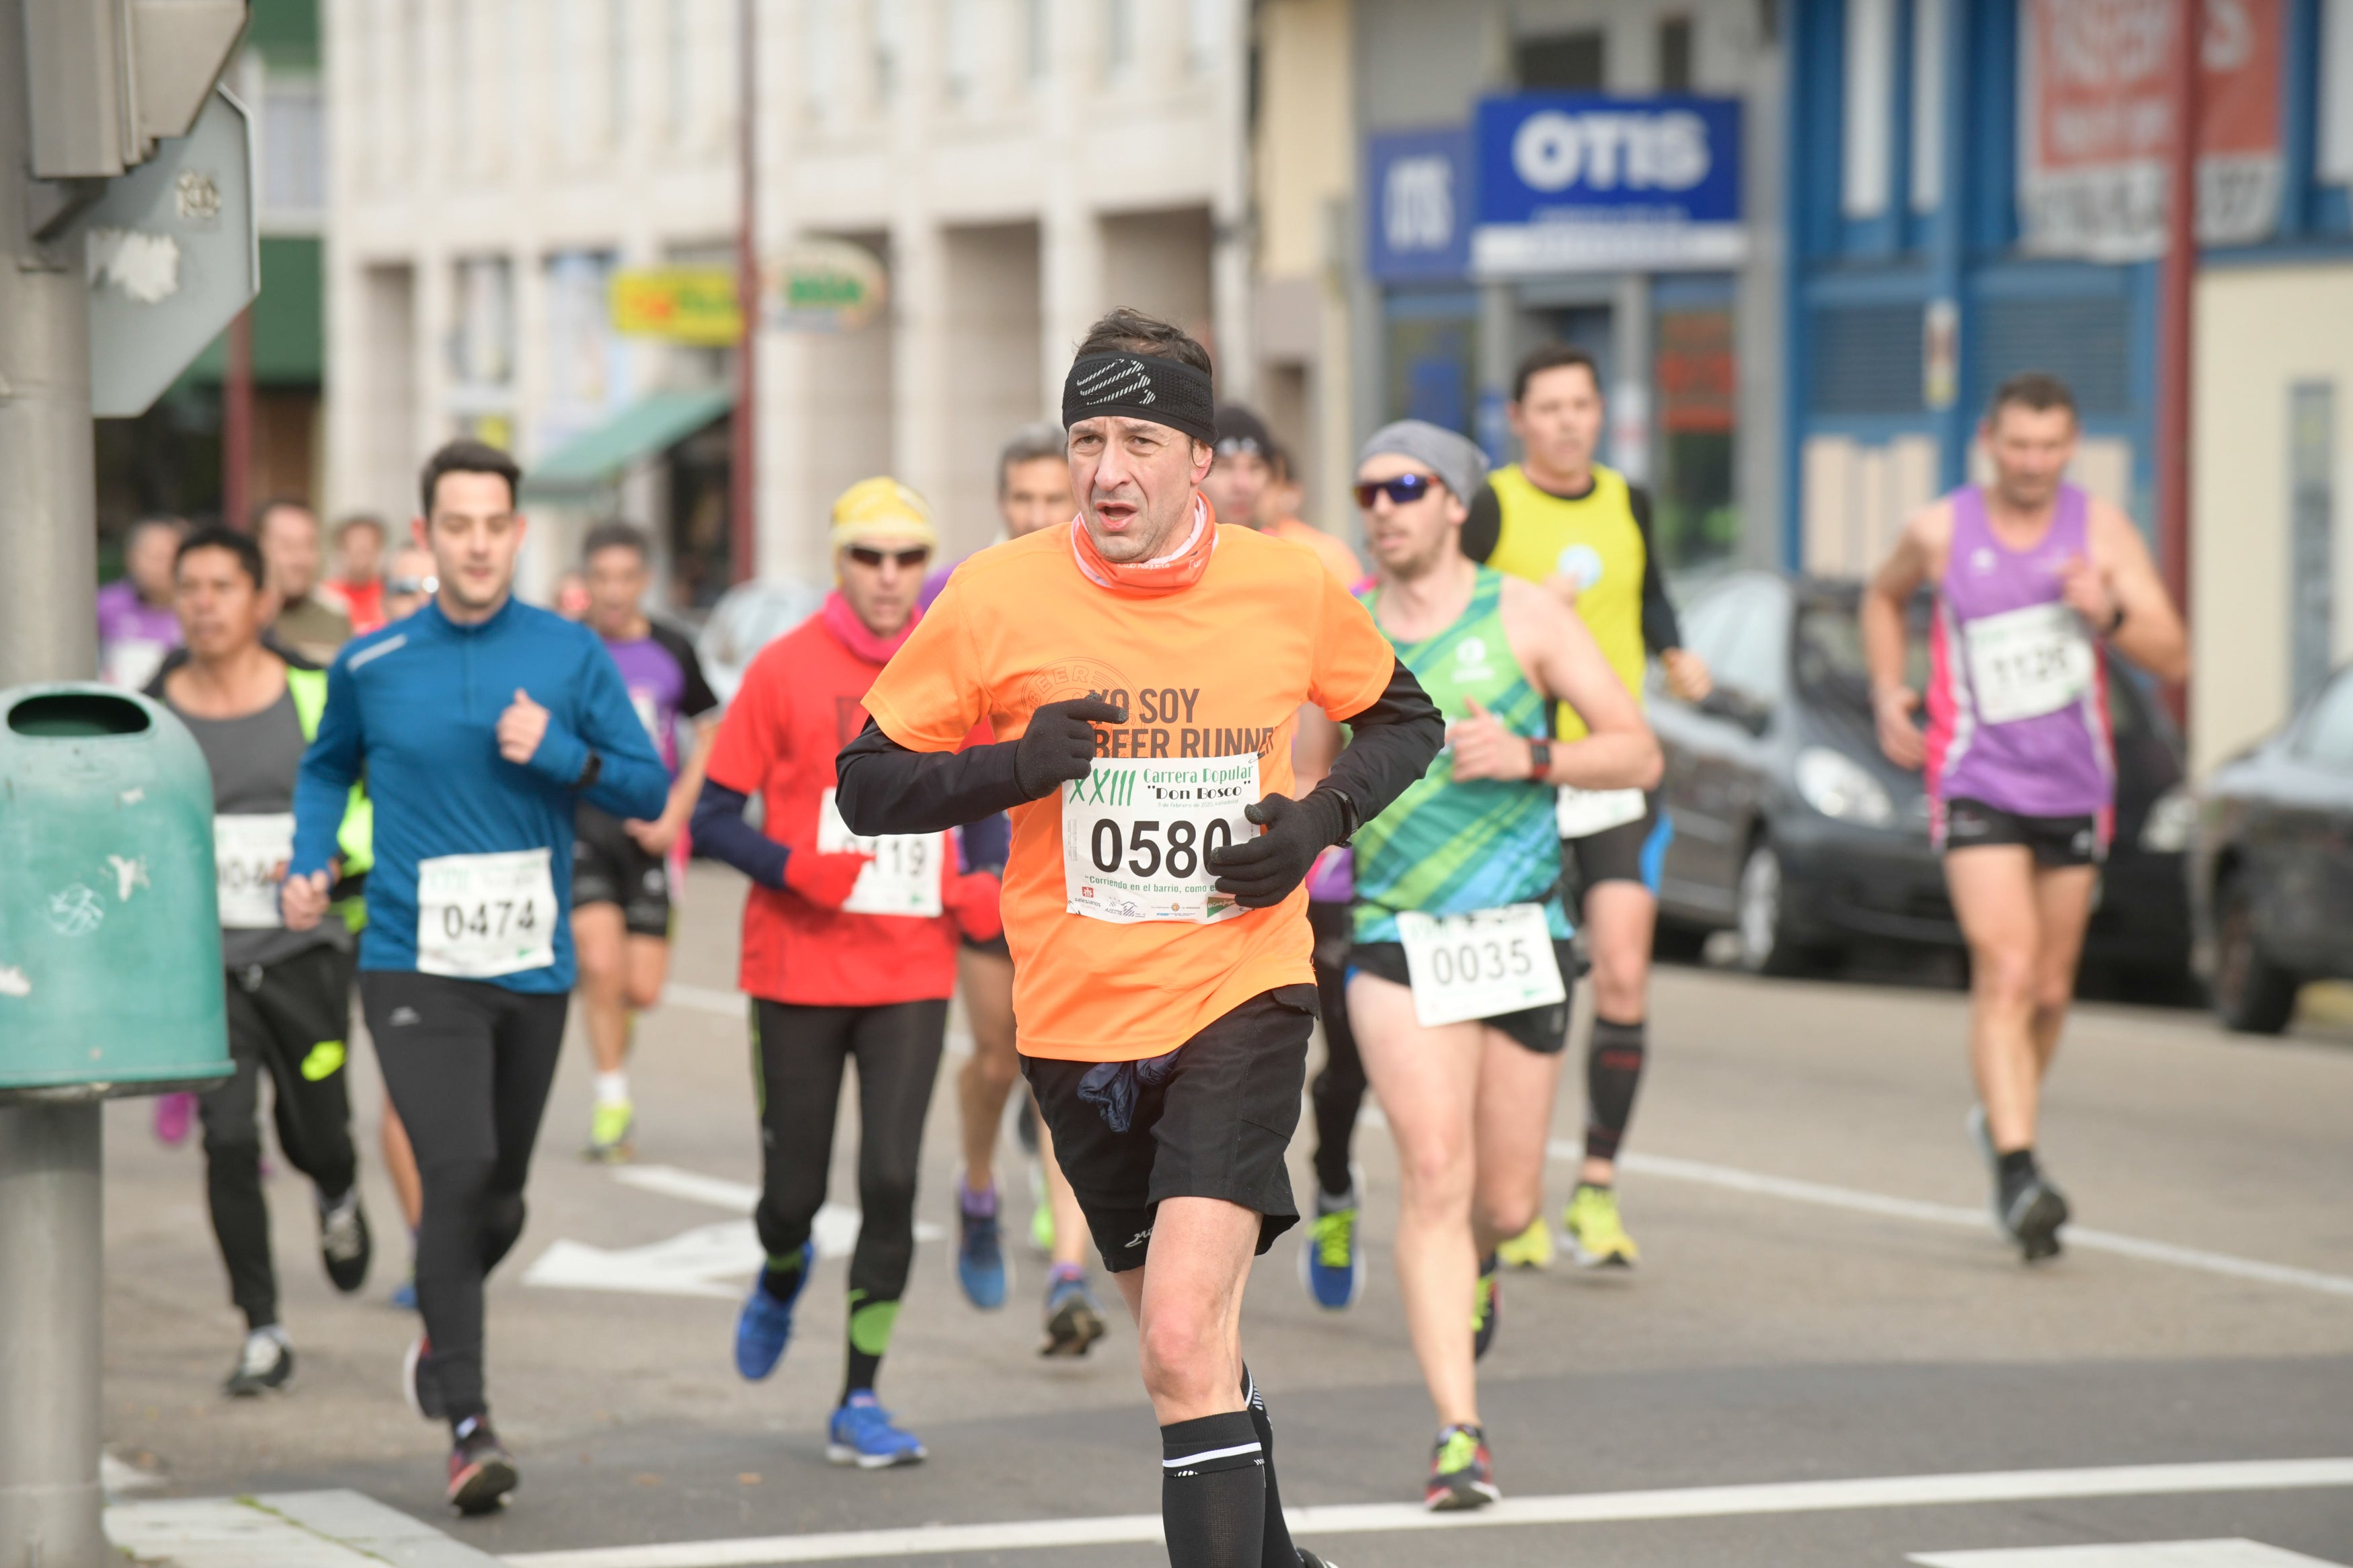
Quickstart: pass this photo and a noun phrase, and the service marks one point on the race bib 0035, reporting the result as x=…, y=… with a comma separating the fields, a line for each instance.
x=1481, y=965
x=902, y=878
x=478, y=916
x=2026, y=663
x=1138, y=834
x=249, y=856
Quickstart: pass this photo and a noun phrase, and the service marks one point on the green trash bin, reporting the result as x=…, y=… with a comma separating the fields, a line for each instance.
x=110, y=977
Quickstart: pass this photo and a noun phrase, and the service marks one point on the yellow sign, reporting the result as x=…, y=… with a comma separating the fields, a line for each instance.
x=679, y=305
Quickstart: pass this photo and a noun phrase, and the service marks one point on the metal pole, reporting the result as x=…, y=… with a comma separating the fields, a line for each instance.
x=743, y=501
x=50, y=1194
x=236, y=423
x=2178, y=296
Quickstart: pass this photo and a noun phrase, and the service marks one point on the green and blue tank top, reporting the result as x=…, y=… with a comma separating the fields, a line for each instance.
x=1446, y=847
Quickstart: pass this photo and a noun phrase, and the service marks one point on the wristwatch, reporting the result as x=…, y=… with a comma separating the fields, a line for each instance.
x=590, y=771
x=2115, y=621
x=1540, y=760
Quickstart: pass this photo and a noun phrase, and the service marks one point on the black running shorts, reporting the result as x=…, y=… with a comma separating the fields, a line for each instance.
x=1544, y=1030
x=2055, y=841
x=1218, y=1129
x=609, y=867
x=1629, y=852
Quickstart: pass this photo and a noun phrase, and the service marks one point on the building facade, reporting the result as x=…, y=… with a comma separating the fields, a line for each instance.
x=1976, y=189
x=1011, y=167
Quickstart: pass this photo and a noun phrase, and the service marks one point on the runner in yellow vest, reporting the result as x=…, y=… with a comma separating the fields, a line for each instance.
x=1559, y=519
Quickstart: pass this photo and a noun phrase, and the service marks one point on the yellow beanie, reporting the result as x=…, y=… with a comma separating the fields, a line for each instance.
x=881, y=507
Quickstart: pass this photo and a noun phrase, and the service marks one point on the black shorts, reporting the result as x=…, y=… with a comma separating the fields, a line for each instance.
x=1630, y=852
x=2055, y=841
x=1218, y=1129
x=1544, y=1030
x=609, y=867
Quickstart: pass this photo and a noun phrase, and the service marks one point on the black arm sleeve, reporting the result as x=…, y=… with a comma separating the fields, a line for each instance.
x=720, y=832
x=1659, y=629
x=1484, y=528
x=1391, y=744
x=884, y=787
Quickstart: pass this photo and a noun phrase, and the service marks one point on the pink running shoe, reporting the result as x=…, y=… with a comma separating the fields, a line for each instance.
x=174, y=1114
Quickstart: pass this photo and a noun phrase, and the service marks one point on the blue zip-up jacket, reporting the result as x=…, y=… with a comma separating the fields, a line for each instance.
x=416, y=704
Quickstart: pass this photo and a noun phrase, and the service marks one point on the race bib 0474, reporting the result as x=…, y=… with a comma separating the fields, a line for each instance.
x=479, y=916
x=1138, y=834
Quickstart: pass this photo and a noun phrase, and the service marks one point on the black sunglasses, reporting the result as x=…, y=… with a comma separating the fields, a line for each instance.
x=1403, y=490
x=908, y=559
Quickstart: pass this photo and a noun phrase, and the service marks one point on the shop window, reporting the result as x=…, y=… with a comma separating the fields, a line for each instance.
x=1696, y=513
x=1564, y=62
x=1867, y=129
x=2337, y=93
x=1928, y=30
x=1432, y=369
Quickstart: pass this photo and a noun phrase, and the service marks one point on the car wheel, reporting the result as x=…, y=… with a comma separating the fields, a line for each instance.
x=2251, y=994
x=1761, y=919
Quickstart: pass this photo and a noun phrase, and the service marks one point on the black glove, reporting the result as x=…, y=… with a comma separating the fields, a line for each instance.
x=1060, y=744
x=1264, y=870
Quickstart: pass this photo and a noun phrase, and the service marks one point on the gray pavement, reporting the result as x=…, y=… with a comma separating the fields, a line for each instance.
x=1840, y=1321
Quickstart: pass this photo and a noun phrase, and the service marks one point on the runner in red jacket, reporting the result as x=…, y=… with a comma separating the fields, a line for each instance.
x=849, y=950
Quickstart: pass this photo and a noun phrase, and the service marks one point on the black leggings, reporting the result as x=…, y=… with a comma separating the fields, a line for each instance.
x=1339, y=1089
x=797, y=1056
x=468, y=1065
x=287, y=1020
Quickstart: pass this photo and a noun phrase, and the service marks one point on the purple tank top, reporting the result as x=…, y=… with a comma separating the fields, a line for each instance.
x=2018, y=714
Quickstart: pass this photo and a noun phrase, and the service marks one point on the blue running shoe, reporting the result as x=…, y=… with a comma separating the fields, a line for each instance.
x=980, y=1255
x=1332, y=1260
x=863, y=1435
x=404, y=1295
x=767, y=1323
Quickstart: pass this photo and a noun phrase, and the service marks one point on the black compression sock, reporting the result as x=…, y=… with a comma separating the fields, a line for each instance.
x=2016, y=1165
x=1278, y=1551
x=782, y=1277
x=1613, y=1070
x=1213, y=1492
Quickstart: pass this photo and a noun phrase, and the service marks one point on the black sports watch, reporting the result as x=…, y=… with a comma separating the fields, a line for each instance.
x=590, y=771
x=1539, y=760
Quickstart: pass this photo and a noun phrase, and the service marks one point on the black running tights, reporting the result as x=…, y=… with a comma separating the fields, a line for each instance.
x=1339, y=1089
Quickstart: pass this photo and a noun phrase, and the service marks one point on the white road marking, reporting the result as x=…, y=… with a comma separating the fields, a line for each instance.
x=2128, y=1554
x=1863, y=1202
x=1573, y=1508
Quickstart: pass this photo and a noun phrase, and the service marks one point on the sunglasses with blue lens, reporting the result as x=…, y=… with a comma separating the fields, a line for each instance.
x=1403, y=490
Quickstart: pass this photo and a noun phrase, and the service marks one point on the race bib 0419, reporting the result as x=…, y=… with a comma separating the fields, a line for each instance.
x=902, y=878
x=2026, y=663
x=1479, y=966
x=1138, y=834
x=249, y=854
x=479, y=916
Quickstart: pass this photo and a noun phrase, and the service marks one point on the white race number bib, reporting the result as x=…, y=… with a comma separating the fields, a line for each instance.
x=250, y=852
x=478, y=916
x=1479, y=966
x=1138, y=833
x=2026, y=663
x=1582, y=812
x=904, y=878
x=132, y=662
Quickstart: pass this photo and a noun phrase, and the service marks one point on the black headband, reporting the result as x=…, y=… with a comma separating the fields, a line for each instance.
x=1141, y=386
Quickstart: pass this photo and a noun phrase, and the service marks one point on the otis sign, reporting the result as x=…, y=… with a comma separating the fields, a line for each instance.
x=1580, y=181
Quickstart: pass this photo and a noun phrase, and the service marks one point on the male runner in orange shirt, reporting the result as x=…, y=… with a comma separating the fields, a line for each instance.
x=1146, y=668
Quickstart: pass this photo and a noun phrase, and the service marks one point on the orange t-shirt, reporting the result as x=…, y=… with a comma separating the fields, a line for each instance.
x=1219, y=668
x=1337, y=558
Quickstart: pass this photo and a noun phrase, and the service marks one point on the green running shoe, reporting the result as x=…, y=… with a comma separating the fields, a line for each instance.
x=1597, y=1239
x=1331, y=1264
x=1532, y=1249
x=1461, y=1473
x=609, y=1126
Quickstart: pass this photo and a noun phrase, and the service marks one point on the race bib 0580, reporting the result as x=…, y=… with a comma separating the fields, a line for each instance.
x=1138, y=834
x=249, y=856
x=478, y=916
x=2026, y=663
x=1481, y=965
x=902, y=878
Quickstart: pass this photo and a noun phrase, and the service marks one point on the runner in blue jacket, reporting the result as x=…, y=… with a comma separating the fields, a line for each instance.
x=480, y=723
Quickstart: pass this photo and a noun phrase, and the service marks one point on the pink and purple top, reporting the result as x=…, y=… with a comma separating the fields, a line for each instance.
x=134, y=635
x=2018, y=712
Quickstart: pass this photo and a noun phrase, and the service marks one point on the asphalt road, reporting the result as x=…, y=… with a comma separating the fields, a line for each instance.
x=1821, y=1302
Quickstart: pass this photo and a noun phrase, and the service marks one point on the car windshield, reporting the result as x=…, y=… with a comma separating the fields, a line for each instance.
x=1829, y=660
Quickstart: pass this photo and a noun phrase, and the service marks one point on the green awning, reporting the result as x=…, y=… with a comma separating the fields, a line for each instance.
x=652, y=423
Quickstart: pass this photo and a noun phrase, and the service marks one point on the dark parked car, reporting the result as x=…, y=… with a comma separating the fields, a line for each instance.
x=2271, y=864
x=1792, y=829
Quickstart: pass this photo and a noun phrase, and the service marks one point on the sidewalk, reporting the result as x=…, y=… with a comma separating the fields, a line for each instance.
x=283, y=1529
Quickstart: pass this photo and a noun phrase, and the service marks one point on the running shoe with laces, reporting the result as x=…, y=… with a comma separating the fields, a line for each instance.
x=1331, y=1260
x=1486, y=1307
x=1462, y=1474
x=1075, y=1321
x=345, y=1243
x=1532, y=1249
x=175, y=1113
x=2031, y=1211
x=1597, y=1237
x=863, y=1434
x=481, y=1471
x=404, y=1295
x=266, y=1363
x=609, y=1126
x=418, y=1382
x=1981, y=1139
x=980, y=1251
x=765, y=1324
